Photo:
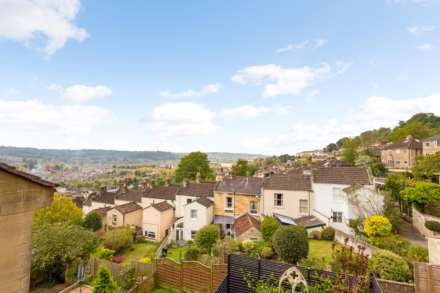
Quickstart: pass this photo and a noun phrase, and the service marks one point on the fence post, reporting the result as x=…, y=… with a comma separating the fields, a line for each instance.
x=259, y=269
x=227, y=273
x=211, y=284
x=181, y=275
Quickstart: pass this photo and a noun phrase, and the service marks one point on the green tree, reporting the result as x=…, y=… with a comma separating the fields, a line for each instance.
x=58, y=245
x=207, y=236
x=389, y=266
x=93, y=221
x=268, y=227
x=414, y=128
x=192, y=164
x=103, y=282
x=395, y=183
x=331, y=147
x=291, y=243
x=62, y=209
x=426, y=166
x=118, y=239
x=350, y=150
x=243, y=168
x=422, y=194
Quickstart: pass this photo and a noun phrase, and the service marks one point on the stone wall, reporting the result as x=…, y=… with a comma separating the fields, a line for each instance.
x=388, y=286
x=19, y=198
x=434, y=250
x=418, y=221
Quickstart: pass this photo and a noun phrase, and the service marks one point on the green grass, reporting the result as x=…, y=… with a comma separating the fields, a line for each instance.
x=320, y=249
x=177, y=252
x=139, y=250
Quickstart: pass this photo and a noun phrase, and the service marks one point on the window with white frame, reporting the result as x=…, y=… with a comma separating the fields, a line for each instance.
x=150, y=234
x=303, y=206
x=229, y=205
x=193, y=234
x=193, y=214
x=278, y=199
x=252, y=207
x=338, y=194
x=337, y=217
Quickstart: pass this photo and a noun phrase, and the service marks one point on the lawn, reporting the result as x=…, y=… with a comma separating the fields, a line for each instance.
x=176, y=253
x=320, y=249
x=139, y=250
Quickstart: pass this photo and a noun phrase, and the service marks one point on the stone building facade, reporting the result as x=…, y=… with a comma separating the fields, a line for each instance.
x=20, y=195
x=402, y=155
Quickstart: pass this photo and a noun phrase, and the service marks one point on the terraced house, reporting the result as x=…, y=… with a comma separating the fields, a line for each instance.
x=402, y=155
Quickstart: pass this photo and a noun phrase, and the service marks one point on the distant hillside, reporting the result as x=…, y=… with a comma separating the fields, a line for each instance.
x=421, y=126
x=107, y=156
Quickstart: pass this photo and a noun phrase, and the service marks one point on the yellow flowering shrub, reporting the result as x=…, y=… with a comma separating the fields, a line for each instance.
x=377, y=226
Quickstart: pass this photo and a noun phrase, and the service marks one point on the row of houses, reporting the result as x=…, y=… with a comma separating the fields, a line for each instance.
x=313, y=198
x=402, y=155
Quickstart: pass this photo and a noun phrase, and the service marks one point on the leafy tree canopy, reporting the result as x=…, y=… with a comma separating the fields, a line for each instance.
x=61, y=210
x=395, y=183
x=93, y=221
x=426, y=166
x=103, y=282
x=244, y=168
x=207, y=237
x=350, y=149
x=57, y=245
x=193, y=164
x=268, y=227
x=291, y=243
x=422, y=193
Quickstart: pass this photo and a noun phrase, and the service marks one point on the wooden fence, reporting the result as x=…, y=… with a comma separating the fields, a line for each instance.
x=189, y=276
x=388, y=286
x=427, y=278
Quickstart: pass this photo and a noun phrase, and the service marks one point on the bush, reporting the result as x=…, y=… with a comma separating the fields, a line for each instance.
x=393, y=214
x=389, y=266
x=92, y=221
x=418, y=254
x=392, y=243
x=267, y=252
x=128, y=278
x=104, y=253
x=328, y=233
x=103, y=282
x=291, y=243
x=268, y=227
x=316, y=234
x=314, y=263
x=207, y=237
x=248, y=245
x=192, y=253
x=118, y=239
x=232, y=246
x=434, y=226
x=377, y=226
x=145, y=259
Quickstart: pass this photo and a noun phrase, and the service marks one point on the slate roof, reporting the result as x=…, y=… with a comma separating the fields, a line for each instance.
x=205, y=202
x=204, y=189
x=35, y=179
x=244, y=223
x=342, y=175
x=128, y=207
x=162, y=206
x=102, y=211
x=105, y=197
x=241, y=184
x=309, y=222
x=409, y=143
x=290, y=181
x=131, y=195
x=164, y=192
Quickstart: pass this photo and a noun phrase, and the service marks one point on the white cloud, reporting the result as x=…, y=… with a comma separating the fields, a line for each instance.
x=182, y=119
x=205, y=90
x=28, y=21
x=249, y=111
x=426, y=47
x=314, y=44
x=420, y=30
x=33, y=116
x=80, y=93
x=281, y=81
x=342, y=66
x=313, y=93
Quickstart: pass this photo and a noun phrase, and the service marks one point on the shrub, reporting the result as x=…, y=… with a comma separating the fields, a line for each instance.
x=232, y=246
x=354, y=224
x=418, y=254
x=393, y=214
x=118, y=259
x=314, y=263
x=215, y=250
x=267, y=252
x=248, y=245
x=328, y=233
x=103, y=282
x=392, y=243
x=291, y=243
x=192, y=253
x=434, y=226
x=268, y=227
x=128, y=278
x=145, y=259
x=389, y=266
x=316, y=234
x=92, y=221
x=207, y=237
x=118, y=239
x=377, y=226
x=104, y=253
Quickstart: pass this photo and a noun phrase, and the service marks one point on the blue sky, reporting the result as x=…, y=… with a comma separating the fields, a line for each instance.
x=266, y=77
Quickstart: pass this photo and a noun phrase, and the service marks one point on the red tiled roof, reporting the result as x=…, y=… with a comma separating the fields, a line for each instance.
x=244, y=223
x=128, y=207
x=162, y=206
